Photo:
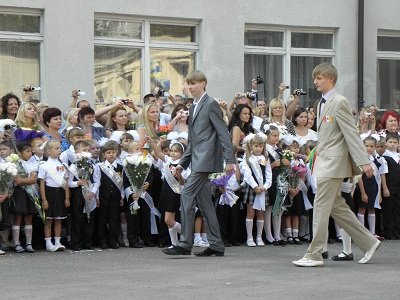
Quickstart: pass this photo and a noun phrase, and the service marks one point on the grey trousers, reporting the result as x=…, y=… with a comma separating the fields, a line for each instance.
x=197, y=192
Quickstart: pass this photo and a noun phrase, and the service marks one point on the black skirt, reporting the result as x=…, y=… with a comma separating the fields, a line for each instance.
x=371, y=189
x=169, y=200
x=21, y=204
x=5, y=217
x=56, y=200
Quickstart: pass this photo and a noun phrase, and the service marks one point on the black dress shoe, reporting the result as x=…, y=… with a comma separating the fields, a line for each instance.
x=114, y=246
x=135, y=245
x=149, y=244
x=296, y=241
x=325, y=255
x=279, y=243
x=176, y=250
x=290, y=240
x=75, y=248
x=235, y=243
x=104, y=245
x=343, y=257
x=209, y=252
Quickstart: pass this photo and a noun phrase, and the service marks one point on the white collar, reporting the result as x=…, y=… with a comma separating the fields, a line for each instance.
x=328, y=94
x=201, y=98
x=107, y=164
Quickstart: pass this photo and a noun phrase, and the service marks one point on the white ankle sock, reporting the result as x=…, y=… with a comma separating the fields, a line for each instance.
x=295, y=233
x=15, y=234
x=260, y=226
x=124, y=229
x=249, y=228
x=49, y=244
x=276, y=222
x=28, y=234
x=360, y=218
x=267, y=224
x=197, y=237
x=371, y=223
x=57, y=240
x=288, y=232
x=346, y=241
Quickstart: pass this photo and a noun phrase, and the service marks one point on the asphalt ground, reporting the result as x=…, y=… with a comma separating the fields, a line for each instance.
x=243, y=273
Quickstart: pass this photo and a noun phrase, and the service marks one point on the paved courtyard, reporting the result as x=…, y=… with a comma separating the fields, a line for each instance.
x=244, y=273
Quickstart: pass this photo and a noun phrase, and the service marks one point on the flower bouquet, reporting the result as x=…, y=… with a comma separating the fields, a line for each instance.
x=163, y=130
x=221, y=180
x=297, y=173
x=282, y=184
x=33, y=192
x=8, y=171
x=84, y=169
x=137, y=168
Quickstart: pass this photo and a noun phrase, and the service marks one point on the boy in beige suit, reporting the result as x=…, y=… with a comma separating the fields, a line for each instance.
x=340, y=154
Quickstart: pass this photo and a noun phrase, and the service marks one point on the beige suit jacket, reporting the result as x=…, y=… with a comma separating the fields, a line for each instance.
x=339, y=150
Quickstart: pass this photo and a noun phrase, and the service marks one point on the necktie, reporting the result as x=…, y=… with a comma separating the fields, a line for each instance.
x=321, y=104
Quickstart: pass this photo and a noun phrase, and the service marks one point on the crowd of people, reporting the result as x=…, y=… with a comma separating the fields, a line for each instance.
x=268, y=200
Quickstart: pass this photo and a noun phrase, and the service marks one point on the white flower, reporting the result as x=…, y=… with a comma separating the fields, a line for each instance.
x=82, y=155
x=12, y=158
x=135, y=135
x=5, y=122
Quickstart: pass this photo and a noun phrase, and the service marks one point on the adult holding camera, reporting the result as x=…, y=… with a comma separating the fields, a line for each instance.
x=366, y=121
x=180, y=119
x=117, y=121
x=276, y=115
x=10, y=104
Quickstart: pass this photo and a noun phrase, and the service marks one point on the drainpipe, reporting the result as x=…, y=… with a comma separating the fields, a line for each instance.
x=360, y=67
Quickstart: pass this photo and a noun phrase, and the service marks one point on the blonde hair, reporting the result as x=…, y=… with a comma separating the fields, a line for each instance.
x=132, y=145
x=50, y=144
x=75, y=131
x=22, y=121
x=255, y=140
x=144, y=120
x=274, y=103
x=196, y=76
x=326, y=69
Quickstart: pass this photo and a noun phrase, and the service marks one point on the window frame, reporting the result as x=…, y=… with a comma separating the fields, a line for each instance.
x=286, y=51
x=145, y=44
x=16, y=36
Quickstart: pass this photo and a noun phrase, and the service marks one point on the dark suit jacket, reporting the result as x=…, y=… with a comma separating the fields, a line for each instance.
x=209, y=140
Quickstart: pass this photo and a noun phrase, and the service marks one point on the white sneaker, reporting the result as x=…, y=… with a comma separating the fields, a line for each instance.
x=2, y=252
x=250, y=243
x=19, y=249
x=200, y=243
x=307, y=262
x=59, y=247
x=29, y=248
x=51, y=248
x=260, y=242
x=368, y=255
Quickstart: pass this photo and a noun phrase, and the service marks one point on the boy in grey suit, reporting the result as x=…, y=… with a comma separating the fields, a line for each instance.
x=209, y=144
x=340, y=153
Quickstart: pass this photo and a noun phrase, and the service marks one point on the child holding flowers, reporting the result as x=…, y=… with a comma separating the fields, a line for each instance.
x=54, y=193
x=257, y=175
x=172, y=185
x=21, y=204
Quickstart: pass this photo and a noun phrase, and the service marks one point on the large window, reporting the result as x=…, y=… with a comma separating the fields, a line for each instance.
x=133, y=56
x=20, y=38
x=289, y=56
x=388, y=70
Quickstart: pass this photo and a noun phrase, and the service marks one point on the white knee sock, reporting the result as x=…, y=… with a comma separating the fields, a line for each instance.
x=295, y=232
x=267, y=224
x=249, y=228
x=360, y=218
x=276, y=222
x=346, y=241
x=371, y=223
x=28, y=234
x=15, y=234
x=260, y=226
x=124, y=229
x=173, y=234
x=177, y=227
x=337, y=229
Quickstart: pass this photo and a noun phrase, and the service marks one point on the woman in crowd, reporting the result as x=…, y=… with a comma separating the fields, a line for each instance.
x=149, y=118
x=117, y=122
x=366, y=121
x=390, y=122
x=27, y=122
x=52, y=121
x=300, y=121
x=86, y=119
x=70, y=118
x=240, y=126
x=10, y=105
x=179, y=119
x=277, y=115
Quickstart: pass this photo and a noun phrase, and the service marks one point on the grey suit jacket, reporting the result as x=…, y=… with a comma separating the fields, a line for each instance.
x=339, y=149
x=209, y=140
